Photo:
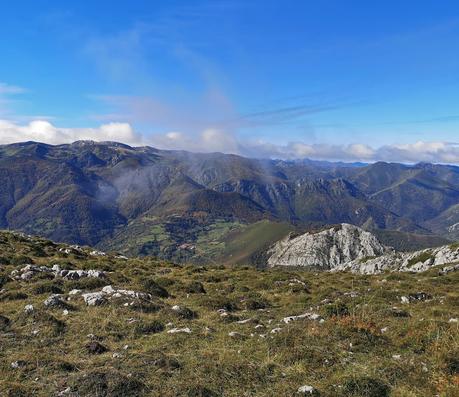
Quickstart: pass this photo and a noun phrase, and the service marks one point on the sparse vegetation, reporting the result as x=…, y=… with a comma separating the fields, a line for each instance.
x=425, y=256
x=363, y=342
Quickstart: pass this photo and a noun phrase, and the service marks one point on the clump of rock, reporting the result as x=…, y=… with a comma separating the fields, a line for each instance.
x=29, y=271
x=108, y=292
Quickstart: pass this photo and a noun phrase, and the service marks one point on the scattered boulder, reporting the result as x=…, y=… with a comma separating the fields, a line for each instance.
x=29, y=309
x=56, y=301
x=449, y=269
x=305, y=316
x=307, y=390
x=417, y=297
x=94, y=298
x=108, y=292
x=179, y=331
x=29, y=271
x=18, y=364
x=77, y=274
x=246, y=321
x=238, y=335
x=184, y=312
x=120, y=293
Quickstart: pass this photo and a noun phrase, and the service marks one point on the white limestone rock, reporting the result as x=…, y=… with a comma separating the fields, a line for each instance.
x=327, y=249
x=179, y=331
x=349, y=248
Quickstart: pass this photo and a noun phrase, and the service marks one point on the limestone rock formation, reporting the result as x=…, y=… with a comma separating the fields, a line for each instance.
x=327, y=249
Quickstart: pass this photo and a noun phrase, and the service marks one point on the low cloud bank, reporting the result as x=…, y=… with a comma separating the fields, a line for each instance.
x=44, y=131
x=215, y=140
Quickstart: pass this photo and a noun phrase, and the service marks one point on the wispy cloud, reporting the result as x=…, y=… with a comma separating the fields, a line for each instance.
x=7, y=91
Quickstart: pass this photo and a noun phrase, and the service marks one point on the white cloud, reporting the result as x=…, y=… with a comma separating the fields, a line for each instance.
x=217, y=140
x=44, y=131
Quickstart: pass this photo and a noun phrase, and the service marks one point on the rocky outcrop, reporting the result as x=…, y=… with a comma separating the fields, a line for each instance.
x=349, y=248
x=108, y=292
x=418, y=261
x=29, y=271
x=327, y=249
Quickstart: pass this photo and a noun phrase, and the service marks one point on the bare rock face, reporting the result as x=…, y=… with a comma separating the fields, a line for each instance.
x=414, y=262
x=327, y=249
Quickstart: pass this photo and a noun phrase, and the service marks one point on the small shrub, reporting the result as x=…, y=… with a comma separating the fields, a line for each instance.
x=21, y=260
x=165, y=281
x=3, y=280
x=4, y=323
x=220, y=302
x=186, y=313
x=167, y=363
x=13, y=296
x=152, y=327
x=87, y=283
x=396, y=312
x=4, y=260
x=338, y=309
x=145, y=307
x=95, y=347
x=255, y=304
x=107, y=384
x=451, y=363
x=365, y=387
x=201, y=391
x=422, y=257
x=45, y=288
x=153, y=288
x=195, y=287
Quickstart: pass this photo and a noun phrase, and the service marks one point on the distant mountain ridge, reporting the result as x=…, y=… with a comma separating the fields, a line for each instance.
x=99, y=193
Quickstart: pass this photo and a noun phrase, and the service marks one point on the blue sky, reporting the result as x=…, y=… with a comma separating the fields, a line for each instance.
x=329, y=79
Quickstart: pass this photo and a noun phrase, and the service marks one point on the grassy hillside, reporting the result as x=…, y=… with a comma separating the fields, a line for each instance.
x=244, y=246
x=358, y=339
x=405, y=242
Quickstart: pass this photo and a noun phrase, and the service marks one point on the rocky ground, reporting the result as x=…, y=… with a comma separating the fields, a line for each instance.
x=78, y=322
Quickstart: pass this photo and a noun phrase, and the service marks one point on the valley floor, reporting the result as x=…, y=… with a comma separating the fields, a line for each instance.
x=167, y=330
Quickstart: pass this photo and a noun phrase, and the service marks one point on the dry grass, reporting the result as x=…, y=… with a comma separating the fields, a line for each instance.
x=364, y=346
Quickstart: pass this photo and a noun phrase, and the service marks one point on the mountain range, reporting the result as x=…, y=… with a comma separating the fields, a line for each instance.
x=181, y=206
